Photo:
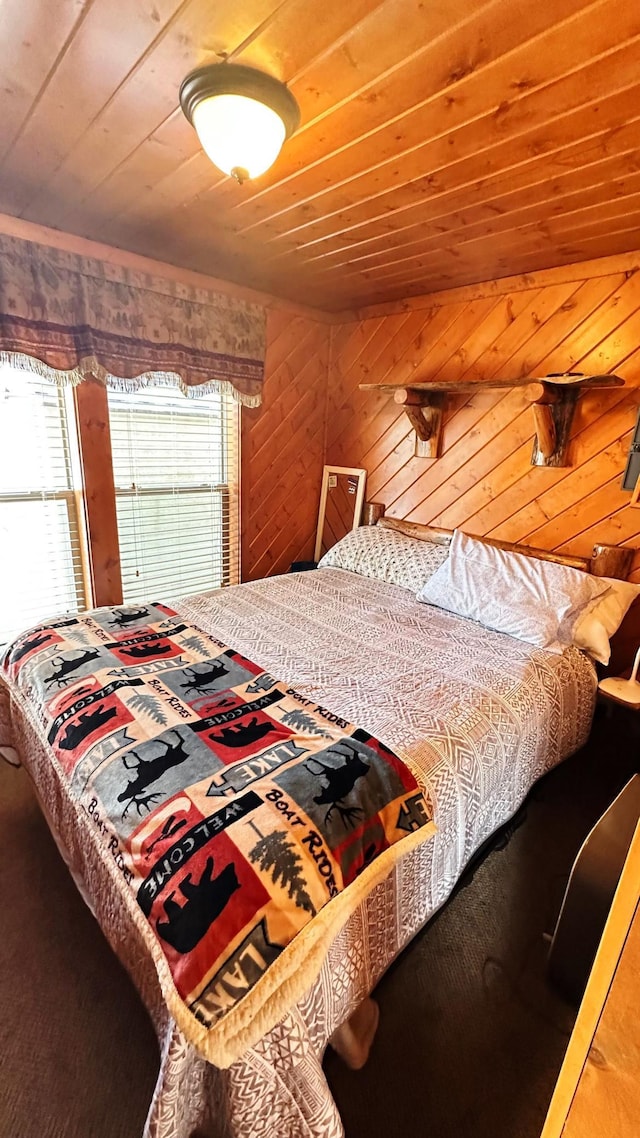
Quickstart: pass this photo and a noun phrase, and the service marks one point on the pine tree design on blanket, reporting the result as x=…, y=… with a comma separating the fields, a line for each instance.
x=243, y=820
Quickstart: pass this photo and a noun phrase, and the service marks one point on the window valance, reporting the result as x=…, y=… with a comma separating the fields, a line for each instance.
x=68, y=317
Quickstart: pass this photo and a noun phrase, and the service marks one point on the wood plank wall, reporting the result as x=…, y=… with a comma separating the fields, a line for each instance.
x=553, y=321
x=282, y=448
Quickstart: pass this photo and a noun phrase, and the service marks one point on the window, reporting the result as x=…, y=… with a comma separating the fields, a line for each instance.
x=41, y=538
x=175, y=474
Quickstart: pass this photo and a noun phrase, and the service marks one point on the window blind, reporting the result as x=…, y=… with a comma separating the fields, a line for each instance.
x=175, y=465
x=41, y=539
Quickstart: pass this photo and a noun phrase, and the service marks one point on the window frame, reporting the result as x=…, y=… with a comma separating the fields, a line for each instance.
x=100, y=493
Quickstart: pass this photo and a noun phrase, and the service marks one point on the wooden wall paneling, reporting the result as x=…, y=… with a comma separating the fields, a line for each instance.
x=376, y=415
x=296, y=472
x=282, y=448
x=287, y=393
x=508, y=425
x=502, y=315
x=422, y=330
x=613, y=308
x=292, y=413
x=502, y=353
x=344, y=412
x=491, y=500
x=598, y=505
x=617, y=527
x=404, y=488
x=483, y=481
x=461, y=440
x=94, y=438
x=508, y=492
x=528, y=504
x=435, y=325
x=461, y=435
x=599, y=427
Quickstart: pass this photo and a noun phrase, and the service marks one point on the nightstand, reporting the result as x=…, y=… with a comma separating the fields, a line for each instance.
x=618, y=697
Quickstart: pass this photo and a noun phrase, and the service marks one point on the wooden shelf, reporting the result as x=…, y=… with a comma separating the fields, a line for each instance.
x=553, y=399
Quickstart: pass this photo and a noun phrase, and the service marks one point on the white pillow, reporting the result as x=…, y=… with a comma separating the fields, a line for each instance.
x=389, y=556
x=525, y=597
x=595, y=627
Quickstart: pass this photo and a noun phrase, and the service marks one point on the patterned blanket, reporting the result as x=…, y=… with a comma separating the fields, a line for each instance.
x=244, y=820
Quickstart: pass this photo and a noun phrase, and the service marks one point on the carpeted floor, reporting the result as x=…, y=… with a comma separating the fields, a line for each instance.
x=470, y=1039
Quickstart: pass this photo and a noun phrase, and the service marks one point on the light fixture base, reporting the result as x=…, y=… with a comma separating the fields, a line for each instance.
x=236, y=79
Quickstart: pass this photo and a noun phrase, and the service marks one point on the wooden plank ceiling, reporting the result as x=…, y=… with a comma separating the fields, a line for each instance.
x=442, y=141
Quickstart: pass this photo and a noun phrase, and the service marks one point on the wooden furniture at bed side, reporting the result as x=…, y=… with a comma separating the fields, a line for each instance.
x=625, y=642
x=589, y=894
x=371, y=513
x=94, y=438
x=553, y=399
x=598, y=1091
x=606, y=560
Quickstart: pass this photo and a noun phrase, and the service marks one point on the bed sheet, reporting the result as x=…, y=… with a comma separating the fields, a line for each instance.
x=477, y=716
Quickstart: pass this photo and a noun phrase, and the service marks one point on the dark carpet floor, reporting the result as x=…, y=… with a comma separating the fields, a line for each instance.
x=470, y=1040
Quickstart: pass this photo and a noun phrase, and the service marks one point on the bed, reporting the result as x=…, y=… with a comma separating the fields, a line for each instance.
x=476, y=715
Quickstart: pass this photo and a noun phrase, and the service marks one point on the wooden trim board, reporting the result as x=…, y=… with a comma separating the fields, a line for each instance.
x=617, y=564
x=581, y=1053
x=94, y=438
x=577, y=271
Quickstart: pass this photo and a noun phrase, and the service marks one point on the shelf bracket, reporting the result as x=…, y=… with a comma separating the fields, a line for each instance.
x=553, y=410
x=424, y=412
x=552, y=397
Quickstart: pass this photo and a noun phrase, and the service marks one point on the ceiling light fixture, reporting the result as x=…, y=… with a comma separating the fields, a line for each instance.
x=242, y=116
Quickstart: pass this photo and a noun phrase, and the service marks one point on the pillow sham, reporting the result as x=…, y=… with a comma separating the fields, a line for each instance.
x=595, y=626
x=387, y=556
x=522, y=596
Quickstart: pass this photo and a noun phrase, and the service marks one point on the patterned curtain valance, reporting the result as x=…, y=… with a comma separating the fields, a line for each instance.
x=77, y=316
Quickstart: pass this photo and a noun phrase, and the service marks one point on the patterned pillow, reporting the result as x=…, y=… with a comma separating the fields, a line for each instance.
x=389, y=556
x=527, y=598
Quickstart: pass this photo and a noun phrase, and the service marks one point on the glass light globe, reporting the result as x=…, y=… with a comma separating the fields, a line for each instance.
x=241, y=136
